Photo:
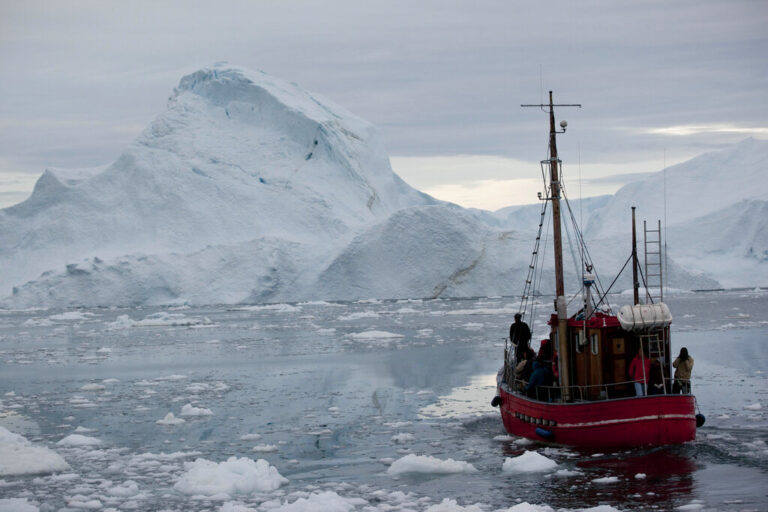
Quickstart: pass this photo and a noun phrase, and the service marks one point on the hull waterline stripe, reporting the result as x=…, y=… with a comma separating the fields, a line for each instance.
x=628, y=420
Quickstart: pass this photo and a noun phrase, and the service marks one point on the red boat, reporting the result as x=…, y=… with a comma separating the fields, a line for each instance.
x=591, y=402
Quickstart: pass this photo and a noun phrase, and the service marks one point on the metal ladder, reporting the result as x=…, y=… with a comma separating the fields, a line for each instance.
x=653, y=260
x=655, y=346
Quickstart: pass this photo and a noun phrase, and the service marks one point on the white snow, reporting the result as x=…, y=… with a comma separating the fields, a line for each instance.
x=231, y=477
x=412, y=463
x=528, y=462
x=189, y=410
x=19, y=456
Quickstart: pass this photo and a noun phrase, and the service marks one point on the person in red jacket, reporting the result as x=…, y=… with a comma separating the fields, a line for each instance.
x=639, y=370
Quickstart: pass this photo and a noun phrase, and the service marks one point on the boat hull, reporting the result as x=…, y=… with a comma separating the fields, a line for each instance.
x=620, y=423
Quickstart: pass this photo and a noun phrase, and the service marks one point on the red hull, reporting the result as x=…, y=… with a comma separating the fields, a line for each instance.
x=608, y=424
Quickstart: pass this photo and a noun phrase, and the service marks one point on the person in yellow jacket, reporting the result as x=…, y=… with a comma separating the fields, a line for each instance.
x=683, y=365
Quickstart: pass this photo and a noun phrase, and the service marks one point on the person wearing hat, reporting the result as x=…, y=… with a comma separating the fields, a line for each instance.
x=520, y=336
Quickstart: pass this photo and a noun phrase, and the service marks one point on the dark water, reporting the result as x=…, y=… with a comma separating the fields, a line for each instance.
x=337, y=406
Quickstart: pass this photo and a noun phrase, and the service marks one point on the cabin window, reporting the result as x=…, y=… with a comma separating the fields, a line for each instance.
x=578, y=341
x=595, y=343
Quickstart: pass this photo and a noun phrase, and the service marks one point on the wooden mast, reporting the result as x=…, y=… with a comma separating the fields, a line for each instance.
x=635, y=282
x=560, y=302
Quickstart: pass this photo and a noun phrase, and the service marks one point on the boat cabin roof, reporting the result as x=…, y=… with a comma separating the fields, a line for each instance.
x=598, y=320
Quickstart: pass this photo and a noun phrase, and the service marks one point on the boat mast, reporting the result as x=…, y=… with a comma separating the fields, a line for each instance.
x=560, y=302
x=635, y=282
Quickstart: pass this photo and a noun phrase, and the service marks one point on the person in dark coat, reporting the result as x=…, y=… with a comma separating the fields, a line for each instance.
x=541, y=376
x=656, y=379
x=520, y=336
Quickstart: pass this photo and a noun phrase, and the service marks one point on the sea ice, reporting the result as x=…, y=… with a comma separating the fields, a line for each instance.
x=425, y=464
x=233, y=476
x=189, y=410
x=170, y=419
x=18, y=456
x=449, y=505
x=529, y=462
x=373, y=335
x=16, y=505
x=606, y=480
x=79, y=440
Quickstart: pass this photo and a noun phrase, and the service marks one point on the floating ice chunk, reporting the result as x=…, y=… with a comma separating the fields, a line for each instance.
x=358, y=315
x=250, y=437
x=230, y=506
x=125, y=490
x=189, y=410
x=753, y=407
x=448, y=505
x=279, y=308
x=527, y=507
x=640, y=476
x=606, y=480
x=83, y=430
x=172, y=377
x=93, y=387
x=170, y=419
x=79, y=440
x=265, y=448
x=81, y=501
x=693, y=505
x=425, y=464
x=18, y=456
x=233, y=476
x=16, y=505
x=566, y=472
x=327, y=501
x=373, y=335
x=403, y=438
x=159, y=319
x=529, y=462
x=104, y=350
x=71, y=316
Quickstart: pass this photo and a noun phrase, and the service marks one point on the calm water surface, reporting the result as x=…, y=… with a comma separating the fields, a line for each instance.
x=336, y=404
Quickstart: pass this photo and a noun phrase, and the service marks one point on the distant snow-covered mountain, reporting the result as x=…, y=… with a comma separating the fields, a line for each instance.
x=250, y=189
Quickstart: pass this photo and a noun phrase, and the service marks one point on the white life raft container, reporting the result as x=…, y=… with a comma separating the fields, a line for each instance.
x=644, y=317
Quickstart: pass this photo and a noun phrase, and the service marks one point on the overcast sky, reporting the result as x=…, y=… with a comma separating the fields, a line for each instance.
x=443, y=81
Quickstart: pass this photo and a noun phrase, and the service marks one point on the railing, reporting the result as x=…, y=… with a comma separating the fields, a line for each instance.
x=588, y=393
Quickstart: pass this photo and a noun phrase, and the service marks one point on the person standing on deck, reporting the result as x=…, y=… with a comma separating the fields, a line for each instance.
x=520, y=336
x=639, y=370
x=683, y=365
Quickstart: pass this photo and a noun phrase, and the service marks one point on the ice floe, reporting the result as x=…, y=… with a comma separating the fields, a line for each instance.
x=412, y=463
x=19, y=456
x=231, y=477
x=528, y=462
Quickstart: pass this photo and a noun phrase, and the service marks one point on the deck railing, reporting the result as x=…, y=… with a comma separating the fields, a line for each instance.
x=594, y=392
